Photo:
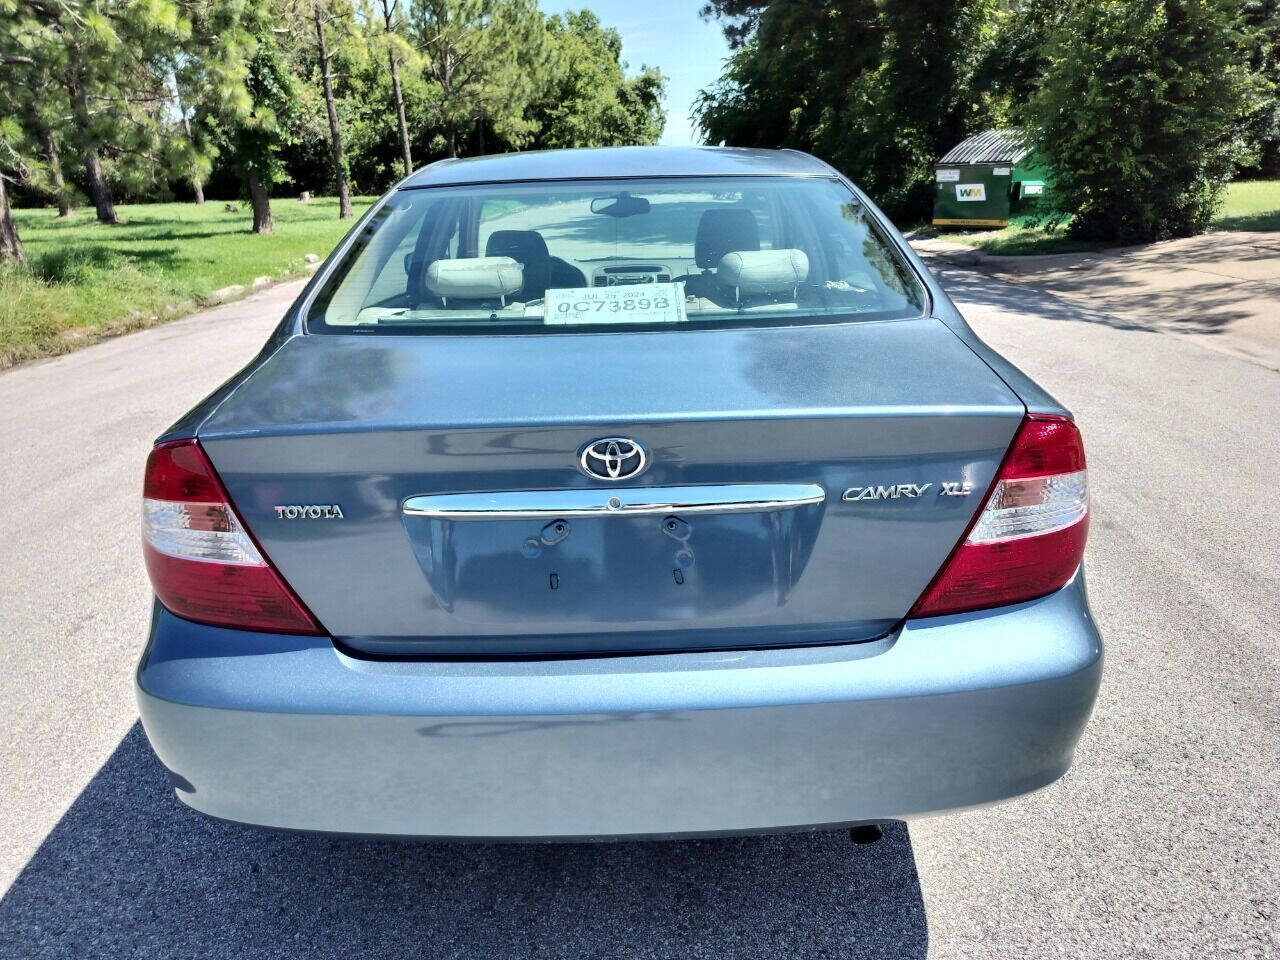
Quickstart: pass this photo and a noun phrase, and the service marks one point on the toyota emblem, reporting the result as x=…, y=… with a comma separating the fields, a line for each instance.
x=613, y=458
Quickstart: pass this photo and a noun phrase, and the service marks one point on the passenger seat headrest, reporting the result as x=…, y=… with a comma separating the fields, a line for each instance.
x=720, y=231
x=763, y=271
x=475, y=278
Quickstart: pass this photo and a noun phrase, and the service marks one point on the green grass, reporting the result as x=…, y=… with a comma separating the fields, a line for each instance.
x=1023, y=236
x=1250, y=205
x=86, y=280
x=1247, y=205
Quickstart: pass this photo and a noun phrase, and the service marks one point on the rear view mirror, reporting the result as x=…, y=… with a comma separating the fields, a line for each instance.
x=620, y=205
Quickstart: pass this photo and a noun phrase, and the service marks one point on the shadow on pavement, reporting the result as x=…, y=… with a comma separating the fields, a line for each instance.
x=1211, y=308
x=130, y=872
x=971, y=286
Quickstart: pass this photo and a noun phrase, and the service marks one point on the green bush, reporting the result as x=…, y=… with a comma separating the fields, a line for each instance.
x=1139, y=112
x=879, y=90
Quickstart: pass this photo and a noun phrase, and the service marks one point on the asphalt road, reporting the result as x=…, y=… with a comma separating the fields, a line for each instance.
x=1163, y=841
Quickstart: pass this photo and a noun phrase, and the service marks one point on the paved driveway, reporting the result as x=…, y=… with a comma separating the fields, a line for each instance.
x=1164, y=841
x=1222, y=289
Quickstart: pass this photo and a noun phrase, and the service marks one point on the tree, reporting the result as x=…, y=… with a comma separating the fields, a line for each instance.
x=196, y=175
x=36, y=117
x=393, y=23
x=1140, y=114
x=206, y=77
x=880, y=90
x=587, y=100
x=10, y=244
x=1262, y=19
x=321, y=16
x=103, y=57
x=58, y=184
x=739, y=18
x=109, y=66
x=483, y=58
x=1012, y=62
x=14, y=165
x=258, y=129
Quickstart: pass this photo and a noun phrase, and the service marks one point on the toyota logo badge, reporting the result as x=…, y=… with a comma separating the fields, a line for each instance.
x=613, y=458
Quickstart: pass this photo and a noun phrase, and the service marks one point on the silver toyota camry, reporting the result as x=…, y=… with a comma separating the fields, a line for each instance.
x=617, y=493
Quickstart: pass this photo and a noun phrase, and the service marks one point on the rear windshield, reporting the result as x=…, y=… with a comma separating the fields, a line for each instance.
x=636, y=254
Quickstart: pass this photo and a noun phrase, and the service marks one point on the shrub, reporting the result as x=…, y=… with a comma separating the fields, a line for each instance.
x=1139, y=113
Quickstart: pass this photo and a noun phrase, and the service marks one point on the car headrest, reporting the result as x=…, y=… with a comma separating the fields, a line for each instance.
x=720, y=231
x=527, y=247
x=474, y=278
x=763, y=271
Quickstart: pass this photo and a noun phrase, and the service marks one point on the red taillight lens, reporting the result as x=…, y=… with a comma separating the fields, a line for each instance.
x=202, y=562
x=1029, y=538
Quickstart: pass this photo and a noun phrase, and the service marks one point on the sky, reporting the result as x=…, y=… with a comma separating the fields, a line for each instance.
x=669, y=35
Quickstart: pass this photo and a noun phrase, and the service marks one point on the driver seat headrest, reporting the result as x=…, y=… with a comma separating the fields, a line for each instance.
x=529, y=249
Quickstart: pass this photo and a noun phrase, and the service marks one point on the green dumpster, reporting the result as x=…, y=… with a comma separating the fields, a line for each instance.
x=987, y=178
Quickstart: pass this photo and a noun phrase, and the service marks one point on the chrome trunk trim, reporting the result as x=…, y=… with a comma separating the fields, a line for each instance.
x=632, y=502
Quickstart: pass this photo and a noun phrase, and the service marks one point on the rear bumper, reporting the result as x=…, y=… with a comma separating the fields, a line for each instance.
x=946, y=713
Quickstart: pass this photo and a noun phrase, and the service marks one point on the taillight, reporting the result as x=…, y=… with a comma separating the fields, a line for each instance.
x=202, y=561
x=1029, y=538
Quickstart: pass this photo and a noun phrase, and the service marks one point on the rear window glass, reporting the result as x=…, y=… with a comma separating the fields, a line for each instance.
x=571, y=256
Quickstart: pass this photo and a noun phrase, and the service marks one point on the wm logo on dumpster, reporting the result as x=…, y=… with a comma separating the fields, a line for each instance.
x=971, y=191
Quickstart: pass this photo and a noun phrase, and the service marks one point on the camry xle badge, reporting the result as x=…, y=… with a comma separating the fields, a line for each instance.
x=613, y=458
x=891, y=492
x=309, y=511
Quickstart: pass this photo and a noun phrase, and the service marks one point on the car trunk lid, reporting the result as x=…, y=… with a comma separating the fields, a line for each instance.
x=426, y=495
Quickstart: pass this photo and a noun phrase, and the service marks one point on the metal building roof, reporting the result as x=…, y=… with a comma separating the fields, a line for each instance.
x=989, y=146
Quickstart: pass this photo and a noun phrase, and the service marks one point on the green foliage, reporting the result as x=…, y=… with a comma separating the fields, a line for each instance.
x=1262, y=125
x=167, y=93
x=85, y=280
x=482, y=59
x=104, y=91
x=1012, y=62
x=257, y=130
x=878, y=90
x=740, y=18
x=1140, y=114
x=103, y=72
x=586, y=98
x=369, y=114
x=1144, y=108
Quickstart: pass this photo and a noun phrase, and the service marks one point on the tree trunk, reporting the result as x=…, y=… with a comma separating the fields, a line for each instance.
x=261, y=202
x=55, y=174
x=480, y=146
x=197, y=187
x=99, y=189
x=10, y=245
x=335, y=134
x=446, y=86
x=388, y=20
x=404, y=127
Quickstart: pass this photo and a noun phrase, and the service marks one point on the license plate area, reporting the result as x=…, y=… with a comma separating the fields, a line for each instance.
x=577, y=570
